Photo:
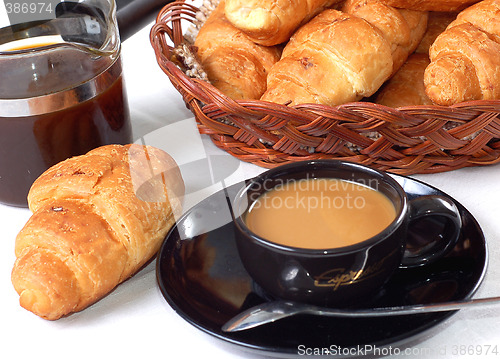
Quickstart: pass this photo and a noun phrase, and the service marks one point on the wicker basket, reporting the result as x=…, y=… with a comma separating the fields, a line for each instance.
x=409, y=140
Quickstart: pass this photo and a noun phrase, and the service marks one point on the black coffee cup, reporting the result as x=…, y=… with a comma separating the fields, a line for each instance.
x=340, y=276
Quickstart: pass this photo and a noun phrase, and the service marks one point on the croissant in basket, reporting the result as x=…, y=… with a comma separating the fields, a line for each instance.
x=465, y=58
x=431, y=5
x=234, y=64
x=406, y=87
x=342, y=56
x=97, y=219
x=436, y=24
x=271, y=22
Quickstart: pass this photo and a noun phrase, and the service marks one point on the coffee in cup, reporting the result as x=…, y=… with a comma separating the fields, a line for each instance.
x=290, y=258
x=320, y=213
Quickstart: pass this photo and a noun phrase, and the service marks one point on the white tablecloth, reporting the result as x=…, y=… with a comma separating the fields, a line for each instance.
x=135, y=321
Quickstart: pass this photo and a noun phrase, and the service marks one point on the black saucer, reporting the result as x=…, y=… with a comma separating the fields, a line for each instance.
x=202, y=278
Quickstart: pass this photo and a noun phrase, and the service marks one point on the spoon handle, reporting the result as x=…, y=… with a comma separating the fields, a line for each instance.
x=272, y=311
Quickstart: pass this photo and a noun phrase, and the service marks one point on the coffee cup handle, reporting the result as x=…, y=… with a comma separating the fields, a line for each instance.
x=433, y=205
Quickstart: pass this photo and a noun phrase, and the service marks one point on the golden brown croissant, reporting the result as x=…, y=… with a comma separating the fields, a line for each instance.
x=431, y=5
x=339, y=57
x=233, y=63
x=97, y=219
x=406, y=87
x=437, y=23
x=271, y=22
x=403, y=29
x=465, y=58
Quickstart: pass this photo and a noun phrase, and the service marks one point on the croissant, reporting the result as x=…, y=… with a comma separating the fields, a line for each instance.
x=234, y=64
x=465, y=58
x=436, y=24
x=406, y=87
x=97, y=219
x=271, y=22
x=431, y=5
x=402, y=28
x=340, y=57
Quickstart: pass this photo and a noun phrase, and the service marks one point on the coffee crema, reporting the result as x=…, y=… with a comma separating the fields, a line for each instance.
x=320, y=213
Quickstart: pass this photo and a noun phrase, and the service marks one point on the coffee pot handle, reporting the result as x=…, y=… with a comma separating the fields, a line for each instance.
x=432, y=206
x=133, y=15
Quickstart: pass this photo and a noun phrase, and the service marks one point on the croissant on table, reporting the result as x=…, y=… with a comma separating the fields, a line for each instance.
x=342, y=56
x=465, y=58
x=97, y=219
x=234, y=64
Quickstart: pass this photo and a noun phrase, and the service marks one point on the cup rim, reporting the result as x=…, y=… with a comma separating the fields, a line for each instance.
x=322, y=163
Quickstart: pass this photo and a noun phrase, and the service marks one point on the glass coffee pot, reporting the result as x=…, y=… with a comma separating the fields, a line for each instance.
x=61, y=88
